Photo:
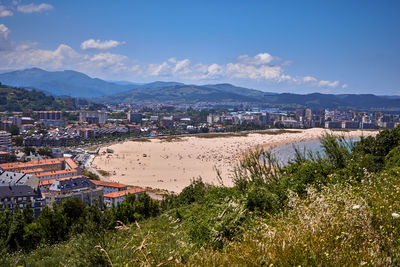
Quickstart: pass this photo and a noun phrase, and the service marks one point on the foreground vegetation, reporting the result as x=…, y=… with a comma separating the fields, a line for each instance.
x=339, y=208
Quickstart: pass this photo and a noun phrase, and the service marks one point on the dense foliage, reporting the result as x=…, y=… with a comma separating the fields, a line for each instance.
x=20, y=231
x=18, y=99
x=340, y=207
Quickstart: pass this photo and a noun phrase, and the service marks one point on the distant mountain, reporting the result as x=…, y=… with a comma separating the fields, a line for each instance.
x=170, y=92
x=218, y=93
x=317, y=100
x=62, y=83
x=76, y=84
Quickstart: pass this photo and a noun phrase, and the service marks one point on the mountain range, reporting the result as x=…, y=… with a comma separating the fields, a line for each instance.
x=76, y=84
x=62, y=83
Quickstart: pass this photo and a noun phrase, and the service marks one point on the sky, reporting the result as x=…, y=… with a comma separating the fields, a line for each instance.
x=329, y=46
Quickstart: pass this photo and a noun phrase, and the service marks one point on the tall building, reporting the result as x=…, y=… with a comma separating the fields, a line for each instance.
x=5, y=141
x=93, y=117
x=53, y=118
x=135, y=117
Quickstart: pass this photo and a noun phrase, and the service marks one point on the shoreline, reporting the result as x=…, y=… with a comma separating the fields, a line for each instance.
x=170, y=163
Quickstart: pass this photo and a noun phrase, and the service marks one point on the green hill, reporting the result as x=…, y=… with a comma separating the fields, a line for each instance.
x=18, y=99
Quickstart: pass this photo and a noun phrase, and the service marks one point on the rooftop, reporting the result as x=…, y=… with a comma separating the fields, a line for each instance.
x=7, y=178
x=108, y=184
x=117, y=194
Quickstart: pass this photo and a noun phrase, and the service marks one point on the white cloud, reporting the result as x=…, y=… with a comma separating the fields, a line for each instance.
x=92, y=44
x=260, y=59
x=324, y=83
x=344, y=86
x=307, y=79
x=4, y=32
x=4, y=12
x=243, y=70
x=31, y=8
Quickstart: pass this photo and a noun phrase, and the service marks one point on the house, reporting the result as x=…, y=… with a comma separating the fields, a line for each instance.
x=4, y=156
x=333, y=124
x=167, y=121
x=20, y=196
x=46, y=168
x=14, y=178
x=79, y=187
x=114, y=198
x=350, y=124
x=110, y=187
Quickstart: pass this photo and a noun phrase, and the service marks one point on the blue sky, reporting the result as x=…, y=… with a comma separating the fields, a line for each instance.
x=281, y=46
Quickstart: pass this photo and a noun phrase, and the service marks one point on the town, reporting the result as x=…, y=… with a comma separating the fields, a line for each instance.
x=44, y=154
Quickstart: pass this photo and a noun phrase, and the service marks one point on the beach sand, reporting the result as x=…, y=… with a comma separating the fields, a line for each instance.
x=171, y=165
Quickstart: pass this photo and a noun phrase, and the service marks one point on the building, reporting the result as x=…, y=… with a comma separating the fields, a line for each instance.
x=93, y=117
x=79, y=187
x=50, y=118
x=20, y=196
x=333, y=124
x=110, y=187
x=290, y=123
x=167, y=121
x=135, y=117
x=4, y=156
x=14, y=178
x=114, y=198
x=5, y=141
x=45, y=169
x=367, y=125
x=350, y=125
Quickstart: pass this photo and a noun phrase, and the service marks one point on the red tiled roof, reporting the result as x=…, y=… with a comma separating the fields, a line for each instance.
x=134, y=190
x=51, y=181
x=108, y=184
x=34, y=163
x=55, y=172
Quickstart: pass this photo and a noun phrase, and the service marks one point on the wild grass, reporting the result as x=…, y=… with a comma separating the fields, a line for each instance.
x=277, y=132
x=221, y=135
x=171, y=139
x=104, y=173
x=140, y=140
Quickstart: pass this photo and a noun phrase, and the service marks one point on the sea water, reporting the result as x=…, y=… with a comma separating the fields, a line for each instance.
x=284, y=153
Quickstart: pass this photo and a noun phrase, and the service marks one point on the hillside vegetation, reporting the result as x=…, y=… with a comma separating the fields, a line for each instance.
x=337, y=209
x=18, y=99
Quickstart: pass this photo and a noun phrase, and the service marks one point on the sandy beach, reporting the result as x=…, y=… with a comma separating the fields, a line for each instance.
x=171, y=165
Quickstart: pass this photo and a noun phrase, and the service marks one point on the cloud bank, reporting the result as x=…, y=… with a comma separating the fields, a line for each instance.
x=32, y=8
x=261, y=69
x=92, y=44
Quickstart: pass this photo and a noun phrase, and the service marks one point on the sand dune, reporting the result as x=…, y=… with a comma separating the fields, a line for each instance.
x=172, y=165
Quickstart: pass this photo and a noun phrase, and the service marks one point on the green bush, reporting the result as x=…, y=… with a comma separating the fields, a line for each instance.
x=393, y=158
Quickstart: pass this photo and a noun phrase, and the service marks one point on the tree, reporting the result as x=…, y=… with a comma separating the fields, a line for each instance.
x=52, y=225
x=18, y=140
x=13, y=130
x=27, y=150
x=44, y=151
x=16, y=231
x=73, y=209
x=27, y=213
